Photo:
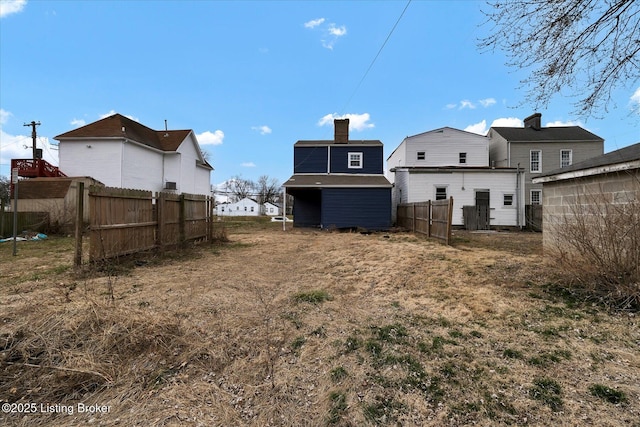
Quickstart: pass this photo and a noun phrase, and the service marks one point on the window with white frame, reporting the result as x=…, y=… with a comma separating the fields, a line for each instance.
x=441, y=192
x=508, y=199
x=355, y=160
x=535, y=161
x=565, y=158
x=421, y=155
x=252, y=208
x=536, y=197
x=462, y=158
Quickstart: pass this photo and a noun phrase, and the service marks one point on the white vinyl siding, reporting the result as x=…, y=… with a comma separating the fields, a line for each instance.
x=419, y=187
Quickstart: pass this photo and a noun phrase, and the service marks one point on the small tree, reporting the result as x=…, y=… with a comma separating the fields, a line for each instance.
x=239, y=188
x=596, y=245
x=267, y=189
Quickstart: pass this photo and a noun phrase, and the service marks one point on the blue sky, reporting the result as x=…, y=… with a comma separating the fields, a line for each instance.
x=253, y=77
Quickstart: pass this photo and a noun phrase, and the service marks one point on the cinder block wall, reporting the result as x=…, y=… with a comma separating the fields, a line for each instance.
x=561, y=199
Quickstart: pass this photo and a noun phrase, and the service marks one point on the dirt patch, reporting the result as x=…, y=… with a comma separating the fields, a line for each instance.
x=314, y=328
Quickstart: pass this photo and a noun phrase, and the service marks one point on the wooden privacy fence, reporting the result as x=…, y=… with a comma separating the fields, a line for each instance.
x=125, y=221
x=432, y=218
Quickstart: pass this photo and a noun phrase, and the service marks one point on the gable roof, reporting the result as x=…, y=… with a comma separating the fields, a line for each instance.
x=548, y=134
x=119, y=126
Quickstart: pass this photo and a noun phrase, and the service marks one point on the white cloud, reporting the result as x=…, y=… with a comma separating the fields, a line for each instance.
x=357, y=122
x=4, y=116
x=210, y=138
x=479, y=128
x=465, y=103
x=450, y=106
x=482, y=129
x=78, y=123
x=331, y=32
x=7, y=7
x=508, y=122
x=635, y=100
x=560, y=123
x=314, y=23
x=487, y=102
x=337, y=31
x=264, y=130
x=248, y=165
x=19, y=147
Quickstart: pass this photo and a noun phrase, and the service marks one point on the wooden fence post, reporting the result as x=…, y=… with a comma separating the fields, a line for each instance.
x=77, y=261
x=449, y=219
x=182, y=222
x=160, y=219
x=429, y=217
x=413, y=218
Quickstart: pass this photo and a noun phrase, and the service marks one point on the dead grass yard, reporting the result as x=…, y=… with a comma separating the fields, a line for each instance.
x=309, y=328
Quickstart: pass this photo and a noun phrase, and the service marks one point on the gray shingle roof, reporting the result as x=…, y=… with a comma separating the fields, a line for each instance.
x=548, y=134
x=325, y=142
x=340, y=180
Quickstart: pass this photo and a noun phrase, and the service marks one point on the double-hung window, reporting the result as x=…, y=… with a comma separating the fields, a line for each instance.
x=565, y=158
x=462, y=158
x=421, y=155
x=535, y=161
x=536, y=197
x=441, y=192
x=355, y=160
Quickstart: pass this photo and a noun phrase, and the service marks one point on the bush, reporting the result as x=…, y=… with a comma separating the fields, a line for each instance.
x=597, y=245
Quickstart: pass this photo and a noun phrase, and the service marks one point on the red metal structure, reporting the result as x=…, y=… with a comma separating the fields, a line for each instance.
x=35, y=168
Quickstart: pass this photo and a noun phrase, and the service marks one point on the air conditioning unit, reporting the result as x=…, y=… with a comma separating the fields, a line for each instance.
x=170, y=185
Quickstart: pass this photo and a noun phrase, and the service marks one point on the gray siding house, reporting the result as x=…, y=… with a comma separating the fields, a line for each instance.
x=539, y=150
x=612, y=179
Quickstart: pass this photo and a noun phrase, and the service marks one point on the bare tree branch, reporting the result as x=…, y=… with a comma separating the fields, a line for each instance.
x=584, y=49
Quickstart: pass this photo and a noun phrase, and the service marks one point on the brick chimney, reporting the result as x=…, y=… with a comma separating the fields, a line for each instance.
x=534, y=121
x=341, y=131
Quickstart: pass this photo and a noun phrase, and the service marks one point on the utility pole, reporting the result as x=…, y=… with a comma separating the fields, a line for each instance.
x=33, y=125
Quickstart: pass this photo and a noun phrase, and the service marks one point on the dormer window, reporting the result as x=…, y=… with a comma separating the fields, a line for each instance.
x=355, y=160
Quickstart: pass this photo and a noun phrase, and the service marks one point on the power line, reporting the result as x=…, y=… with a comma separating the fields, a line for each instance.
x=376, y=57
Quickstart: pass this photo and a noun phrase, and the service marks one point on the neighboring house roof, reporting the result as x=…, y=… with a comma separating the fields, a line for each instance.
x=548, y=134
x=119, y=126
x=48, y=187
x=622, y=159
x=352, y=142
x=43, y=189
x=337, y=180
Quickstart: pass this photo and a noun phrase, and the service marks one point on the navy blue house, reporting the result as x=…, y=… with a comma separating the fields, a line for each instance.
x=340, y=183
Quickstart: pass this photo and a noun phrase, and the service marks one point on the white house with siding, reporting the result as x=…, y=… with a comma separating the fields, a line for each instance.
x=123, y=153
x=270, y=209
x=243, y=207
x=448, y=162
